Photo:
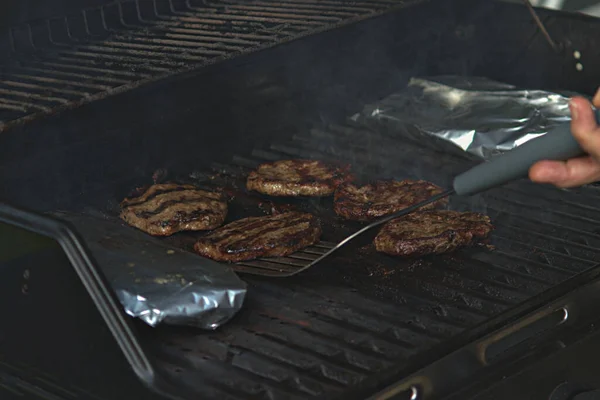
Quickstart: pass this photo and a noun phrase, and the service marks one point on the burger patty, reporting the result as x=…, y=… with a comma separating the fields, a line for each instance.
x=298, y=178
x=254, y=237
x=382, y=198
x=164, y=209
x=432, y=232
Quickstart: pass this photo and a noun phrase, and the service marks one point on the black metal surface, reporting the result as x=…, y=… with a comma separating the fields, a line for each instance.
x=364, y=320
x=531, y=346
x=48, y=65
x=62, y=315
x=556, y=365
x=60, y=63
x=361, y=316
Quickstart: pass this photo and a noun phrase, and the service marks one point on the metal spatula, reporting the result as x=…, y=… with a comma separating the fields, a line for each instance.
x=558, y=144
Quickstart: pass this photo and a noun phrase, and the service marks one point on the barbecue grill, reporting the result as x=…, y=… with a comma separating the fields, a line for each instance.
x=93, y=101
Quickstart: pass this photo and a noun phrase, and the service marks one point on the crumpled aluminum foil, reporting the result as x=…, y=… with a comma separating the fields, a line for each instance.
x=158, y=283
x=475, y=115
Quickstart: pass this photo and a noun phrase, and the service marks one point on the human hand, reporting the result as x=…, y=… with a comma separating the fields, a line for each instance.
x=581, y=170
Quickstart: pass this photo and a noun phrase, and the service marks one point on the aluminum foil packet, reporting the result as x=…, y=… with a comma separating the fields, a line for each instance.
x=476, y=117
x=158, y=283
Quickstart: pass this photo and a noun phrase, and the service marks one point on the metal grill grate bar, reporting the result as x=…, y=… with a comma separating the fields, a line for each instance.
x=13, y=106
x=44, y=89
x=341, y=304
x=105, y=73
x=192, y=40
x=99, y=59
x=59, y=82
x=331, y=335
x=132, y=52
x=75, y=75
x=161, y=45
x=228, y=32
x=27, y=95
x=105, y=57
x=358, y=5
x=529, y=266
x=289, y=265
x=251, y=12
x=386, y=348
x=337, y=9
x=564, y=215
x=22, y=104
x=573, y=198
x=310, y=11
x=240, y=19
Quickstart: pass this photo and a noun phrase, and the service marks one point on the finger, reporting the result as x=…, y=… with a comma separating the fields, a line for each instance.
x=596, y=101
x=584, y=126
x=565, y=174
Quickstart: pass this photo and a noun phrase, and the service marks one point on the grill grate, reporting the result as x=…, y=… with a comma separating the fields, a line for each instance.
x=362, y=315
x=290, y=264
x=65, y=62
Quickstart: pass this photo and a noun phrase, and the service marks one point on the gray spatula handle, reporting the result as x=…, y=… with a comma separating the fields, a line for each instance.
x=558, y=145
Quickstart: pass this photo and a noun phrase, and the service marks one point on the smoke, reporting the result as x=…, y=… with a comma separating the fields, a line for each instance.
x=476, y=203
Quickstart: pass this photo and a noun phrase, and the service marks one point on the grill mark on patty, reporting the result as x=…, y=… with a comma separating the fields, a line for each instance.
x=265, y=231
x=432, y=232
x=153, y=191
x=298, y=178
x=175, y=214
x=190, y=198
x=256, y=228
x=292, y=238
x=382, y=198
x=165, y=209
x=268, y=236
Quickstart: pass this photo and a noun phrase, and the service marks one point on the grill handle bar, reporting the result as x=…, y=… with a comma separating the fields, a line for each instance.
x=558, y=145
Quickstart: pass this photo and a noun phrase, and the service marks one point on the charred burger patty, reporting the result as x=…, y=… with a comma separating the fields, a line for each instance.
x=164, y=209
x=382, y=198
x=298, y=178
x=254, y=237
x=432, y=232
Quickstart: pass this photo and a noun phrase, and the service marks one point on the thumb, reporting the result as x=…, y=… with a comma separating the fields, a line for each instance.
x=596, y=101
x=585, y=127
